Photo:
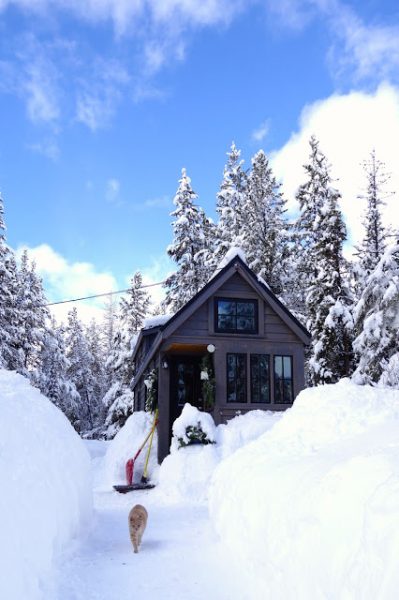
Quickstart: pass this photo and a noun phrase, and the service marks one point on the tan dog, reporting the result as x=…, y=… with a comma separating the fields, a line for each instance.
x=137, y=523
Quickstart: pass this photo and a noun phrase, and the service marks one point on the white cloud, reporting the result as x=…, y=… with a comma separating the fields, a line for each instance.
x=125, y=14
x=112, y=190
x=259, y=134
x=64, y=280
x=360, y=49
x=48, y=148
x=32, y=76
x=41, y=94
x=99, y=93
x=348, y=127
x=365, y=50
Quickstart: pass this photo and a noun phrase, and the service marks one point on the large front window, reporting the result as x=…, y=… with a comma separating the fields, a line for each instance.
x=283, y=388
x=236, y=377
x=236, y=316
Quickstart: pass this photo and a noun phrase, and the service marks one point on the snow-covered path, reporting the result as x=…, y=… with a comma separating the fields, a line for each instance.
x=180, y=557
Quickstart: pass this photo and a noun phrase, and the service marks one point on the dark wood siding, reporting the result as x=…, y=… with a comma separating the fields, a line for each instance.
x=197, y=325
x=275, y=329
x=236, y=286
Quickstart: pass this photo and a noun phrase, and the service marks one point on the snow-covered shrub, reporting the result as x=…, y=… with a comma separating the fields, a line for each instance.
x=45, y=486
x=312, y=509
x=193, y=426
x=124, y=446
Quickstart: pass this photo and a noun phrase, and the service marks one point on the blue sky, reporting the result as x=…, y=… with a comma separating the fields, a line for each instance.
x=102, y=103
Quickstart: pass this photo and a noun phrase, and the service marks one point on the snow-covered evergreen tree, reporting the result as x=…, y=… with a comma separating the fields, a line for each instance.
x=98, y=371
x=110, y=324
x=321, y=232
x=188, y=249
x=264, y=230
x=33, y=315
x=230, y=205
x=119, y=398
x=79, y=372
x=52, y=378
x=376, y=236
x=374, y=242
x=377, y=321
x=8, y=290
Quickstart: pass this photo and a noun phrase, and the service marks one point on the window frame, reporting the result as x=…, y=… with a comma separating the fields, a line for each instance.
x=251, y=382
x=235, y=331
x=245, y=377
x=283, y=378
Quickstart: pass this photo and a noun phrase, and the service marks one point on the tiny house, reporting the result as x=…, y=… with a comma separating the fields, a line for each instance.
x=232, y=348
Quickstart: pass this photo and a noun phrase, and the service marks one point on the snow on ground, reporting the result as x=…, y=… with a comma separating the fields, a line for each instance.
x=45, y=482
x=303, y=505
x=311, y=508
x=180, y=557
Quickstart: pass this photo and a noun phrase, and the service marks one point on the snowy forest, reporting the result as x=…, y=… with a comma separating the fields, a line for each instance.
x=350, y=307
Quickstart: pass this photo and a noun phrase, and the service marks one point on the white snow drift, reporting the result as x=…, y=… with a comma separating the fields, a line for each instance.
x=311, y=508
x=185, y=474
x=45, y=486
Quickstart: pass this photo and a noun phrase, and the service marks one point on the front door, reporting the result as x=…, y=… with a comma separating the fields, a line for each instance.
x=185, y=384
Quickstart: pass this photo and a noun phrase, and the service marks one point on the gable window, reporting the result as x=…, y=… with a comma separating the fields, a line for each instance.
x=283, y=388
x=236, y=316
x=260, y=378
x=236, y=377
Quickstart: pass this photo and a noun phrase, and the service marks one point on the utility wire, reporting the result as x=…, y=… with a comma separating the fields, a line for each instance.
x=105, y=294
x=148, y=285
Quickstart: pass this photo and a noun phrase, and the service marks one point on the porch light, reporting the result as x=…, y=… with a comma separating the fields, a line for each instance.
x=211, y=348
x=165, y=364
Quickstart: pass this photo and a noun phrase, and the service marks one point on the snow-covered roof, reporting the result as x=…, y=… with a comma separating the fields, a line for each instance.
x=228, y=257
x=156, y=321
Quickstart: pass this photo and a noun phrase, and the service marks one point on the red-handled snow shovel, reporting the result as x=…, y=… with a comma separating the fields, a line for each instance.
x=129, y=468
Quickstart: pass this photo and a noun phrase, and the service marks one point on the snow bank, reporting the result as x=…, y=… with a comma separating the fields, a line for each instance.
x=45, y=486
x=124, y=446
x=244, y=429
x=185, y=474
x=311, y=508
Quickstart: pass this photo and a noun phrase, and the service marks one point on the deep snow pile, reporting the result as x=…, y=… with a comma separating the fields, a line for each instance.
x=186, y=473
x=312, y=507
x=45, y=486
x=124, y=446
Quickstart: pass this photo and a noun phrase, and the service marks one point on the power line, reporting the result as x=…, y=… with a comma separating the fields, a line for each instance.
x=105, y=294
x=148, y=285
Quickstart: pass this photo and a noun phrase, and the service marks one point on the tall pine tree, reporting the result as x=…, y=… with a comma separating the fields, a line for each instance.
x=377, y=321
x=264, y=230
x=52, y=376
x=188, y=249
x=375, y=235
x=79, y=372
x=230, y=205
x=321, y=233
x=8, y=290
x=119, y=398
